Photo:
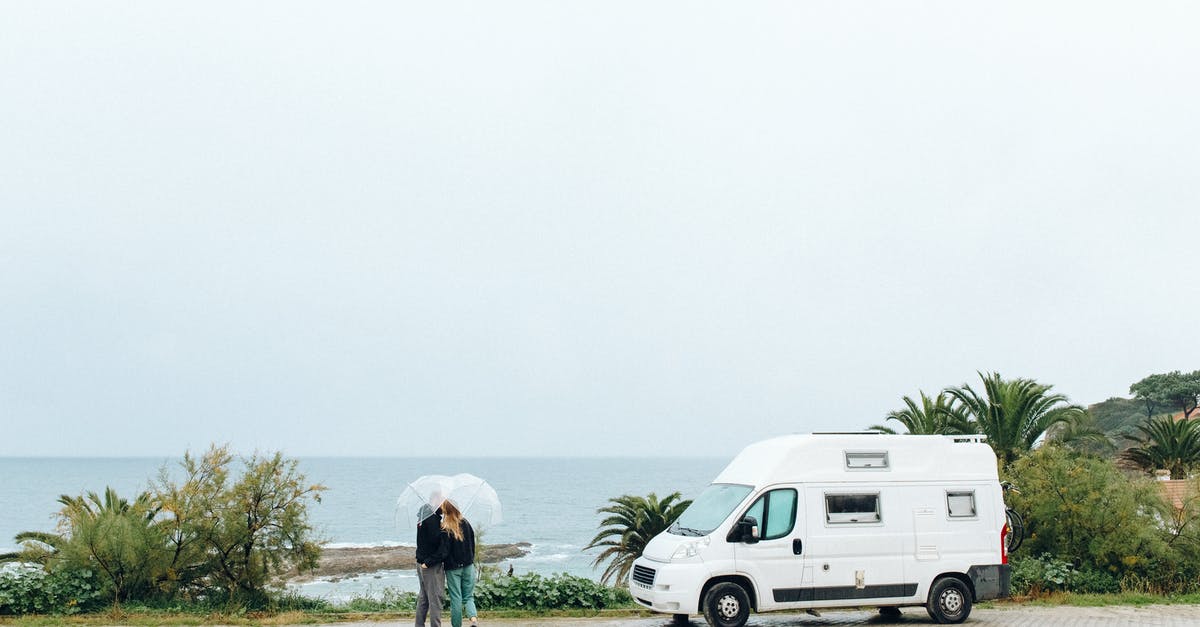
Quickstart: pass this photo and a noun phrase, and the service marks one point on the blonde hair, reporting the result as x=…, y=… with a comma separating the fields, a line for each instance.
x=452, y=520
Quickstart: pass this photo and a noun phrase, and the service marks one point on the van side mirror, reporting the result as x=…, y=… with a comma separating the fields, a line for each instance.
x=748, y=530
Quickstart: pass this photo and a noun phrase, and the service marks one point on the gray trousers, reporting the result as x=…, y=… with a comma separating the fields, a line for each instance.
x=431, y=594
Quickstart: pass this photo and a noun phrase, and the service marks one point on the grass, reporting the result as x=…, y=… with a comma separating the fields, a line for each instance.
x=1097, y=600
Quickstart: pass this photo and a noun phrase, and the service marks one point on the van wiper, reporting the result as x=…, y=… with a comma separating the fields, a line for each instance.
x=688, y=531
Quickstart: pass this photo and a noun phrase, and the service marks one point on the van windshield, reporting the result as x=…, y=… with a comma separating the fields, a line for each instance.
x=709, y=509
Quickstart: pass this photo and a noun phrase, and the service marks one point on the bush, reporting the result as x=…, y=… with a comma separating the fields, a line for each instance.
x=1089, y=580
x=30, y=590
x=532, y=591
x=389, y=600
x=1083, y=510
x=1034, y=575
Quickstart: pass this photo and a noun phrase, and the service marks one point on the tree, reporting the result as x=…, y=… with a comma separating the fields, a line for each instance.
x=249, y=531
x=114, y=536
x=632, y=522
x=1015, y=413
x=1172, y=391
x=1165, y=443
x=934, y=416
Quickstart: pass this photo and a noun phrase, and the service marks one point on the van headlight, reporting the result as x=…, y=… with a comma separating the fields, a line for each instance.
x=690, y=549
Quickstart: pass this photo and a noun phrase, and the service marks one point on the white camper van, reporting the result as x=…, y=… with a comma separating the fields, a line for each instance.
x=836, y=520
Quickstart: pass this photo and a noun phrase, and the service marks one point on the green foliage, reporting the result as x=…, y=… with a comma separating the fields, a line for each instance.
x=632, y=522
x=1082, y=509
x=31, y=590
x=388, y=600
x=251, y=529
x=213, y=536
x=535, y=592
x=1165, y=443
x=931, y=417
x=1118, y=416
x=1034, y=575
x=1015, y=413
x=1169, y=392
x=110, y=536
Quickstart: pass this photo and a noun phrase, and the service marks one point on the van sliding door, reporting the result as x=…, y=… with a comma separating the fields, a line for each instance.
x=855, y=546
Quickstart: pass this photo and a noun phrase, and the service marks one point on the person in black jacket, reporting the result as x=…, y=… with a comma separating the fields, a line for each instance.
x=432, y=548
x=460, y=564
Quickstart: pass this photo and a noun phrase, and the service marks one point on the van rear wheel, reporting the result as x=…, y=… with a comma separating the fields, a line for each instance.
x=727, y=605
x=949, y=601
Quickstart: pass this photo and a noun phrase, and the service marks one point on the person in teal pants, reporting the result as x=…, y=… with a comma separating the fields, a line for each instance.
x=460, y=565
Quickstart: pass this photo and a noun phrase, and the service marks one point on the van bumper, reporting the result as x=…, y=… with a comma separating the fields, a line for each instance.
x=991, y=581
x=673, y=588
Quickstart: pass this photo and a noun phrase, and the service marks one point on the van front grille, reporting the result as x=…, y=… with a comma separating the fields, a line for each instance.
x=643, y=575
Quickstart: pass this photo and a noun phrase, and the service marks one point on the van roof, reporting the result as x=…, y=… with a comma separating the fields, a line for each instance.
x=822, y=457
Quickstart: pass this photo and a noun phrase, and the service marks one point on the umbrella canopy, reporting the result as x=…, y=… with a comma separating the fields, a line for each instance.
x=474, y=497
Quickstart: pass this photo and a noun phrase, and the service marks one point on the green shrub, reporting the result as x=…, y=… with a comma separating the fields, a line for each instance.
x=218, y=537
x=1089, y=580
x=388, y=600
x=1034, y=575
x=1083, y=510
x=31, y=590
x=532, y=591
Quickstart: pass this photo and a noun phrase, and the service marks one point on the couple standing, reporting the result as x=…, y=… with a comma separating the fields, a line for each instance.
x=445, y=562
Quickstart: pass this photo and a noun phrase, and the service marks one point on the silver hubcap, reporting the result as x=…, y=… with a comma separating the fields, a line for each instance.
x=728, y=606
x=952, y=601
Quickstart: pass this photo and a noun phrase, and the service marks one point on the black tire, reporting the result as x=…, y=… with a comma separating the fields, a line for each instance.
x=949, y=601
x=680, y=620
x=727, y=605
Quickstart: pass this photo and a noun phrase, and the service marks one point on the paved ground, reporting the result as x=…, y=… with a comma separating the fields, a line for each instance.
x=1156, y=615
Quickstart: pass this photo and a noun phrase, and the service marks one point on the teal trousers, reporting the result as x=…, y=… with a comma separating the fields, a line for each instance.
x=460, y=584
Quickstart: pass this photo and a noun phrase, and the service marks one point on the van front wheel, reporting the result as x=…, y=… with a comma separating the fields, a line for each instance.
x=949, y=601
x=727, y=605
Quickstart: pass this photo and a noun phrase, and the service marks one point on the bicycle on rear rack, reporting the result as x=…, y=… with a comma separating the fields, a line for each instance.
x=1016, y=524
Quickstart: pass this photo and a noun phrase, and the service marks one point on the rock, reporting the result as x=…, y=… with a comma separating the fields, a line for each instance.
x=349, y=562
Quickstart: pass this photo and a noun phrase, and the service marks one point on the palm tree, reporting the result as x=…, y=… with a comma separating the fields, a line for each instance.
x=1165, y=443
x=110, y=533
x=1015, y=413
x=38, y=547
x=936, y=416
x=632, y=522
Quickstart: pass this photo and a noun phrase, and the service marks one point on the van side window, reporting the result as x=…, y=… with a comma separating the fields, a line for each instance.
x=960, y=504
x=852, y=508
x=775, y=512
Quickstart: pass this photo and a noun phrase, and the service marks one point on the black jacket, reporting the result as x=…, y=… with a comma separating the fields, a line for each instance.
x=432, y=544
x=461, y=552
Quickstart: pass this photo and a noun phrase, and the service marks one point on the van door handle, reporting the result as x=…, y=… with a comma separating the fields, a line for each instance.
x=797, y=546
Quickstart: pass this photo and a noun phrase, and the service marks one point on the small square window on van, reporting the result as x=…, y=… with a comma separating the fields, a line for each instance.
x=960, y=504
x=852, y=508
x=866, y=460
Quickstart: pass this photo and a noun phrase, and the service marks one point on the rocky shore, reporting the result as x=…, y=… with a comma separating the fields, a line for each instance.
x=349, y=562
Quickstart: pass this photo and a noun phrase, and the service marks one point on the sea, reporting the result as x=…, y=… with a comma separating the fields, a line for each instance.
x=549, y=502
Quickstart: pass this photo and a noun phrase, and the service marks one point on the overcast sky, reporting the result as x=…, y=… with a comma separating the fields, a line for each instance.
x=579, y=228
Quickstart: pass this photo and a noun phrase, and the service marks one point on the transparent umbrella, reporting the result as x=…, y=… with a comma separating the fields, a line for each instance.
x=474, y=497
